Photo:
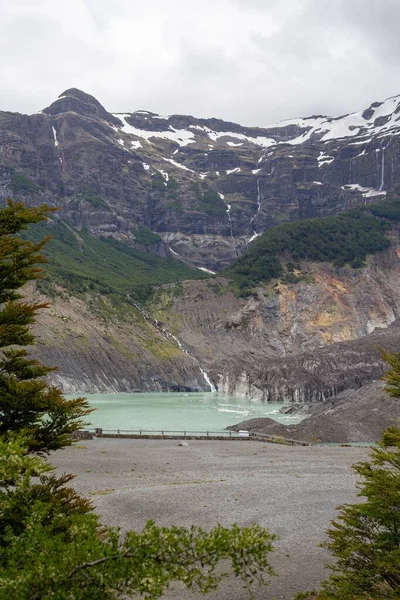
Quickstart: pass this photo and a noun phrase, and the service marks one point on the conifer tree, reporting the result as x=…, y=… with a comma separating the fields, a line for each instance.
x=392, y=377
x=365, y=538
x=27, y=402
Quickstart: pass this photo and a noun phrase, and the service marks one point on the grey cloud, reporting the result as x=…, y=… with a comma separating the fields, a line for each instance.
x=252, y=61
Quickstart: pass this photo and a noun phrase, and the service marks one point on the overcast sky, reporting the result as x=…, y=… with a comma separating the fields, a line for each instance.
x=251, y=61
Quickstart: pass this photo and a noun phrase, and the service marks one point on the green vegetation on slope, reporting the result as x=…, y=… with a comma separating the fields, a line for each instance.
x=208, y=200
x=343, y=239
x=80, y=263
x=145, y=236
x=386, y=209
x=89, y=195
x=21, y=183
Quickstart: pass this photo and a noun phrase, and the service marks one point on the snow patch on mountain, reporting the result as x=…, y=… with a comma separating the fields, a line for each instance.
x=367, y=192
x=324, y=159
x=352, y=125
x=55, y=136
x=177, y=164
x=165, y=175
x=217, y=135
x=180, y=136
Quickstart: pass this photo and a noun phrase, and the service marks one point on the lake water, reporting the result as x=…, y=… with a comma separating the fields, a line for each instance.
x=178, y=411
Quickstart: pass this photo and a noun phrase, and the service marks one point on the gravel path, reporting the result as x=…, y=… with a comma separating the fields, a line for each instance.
x=291, y=490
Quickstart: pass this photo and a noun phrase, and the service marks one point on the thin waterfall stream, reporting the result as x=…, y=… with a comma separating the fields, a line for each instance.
x=382, y=169
x=259, y=198
x=228, y=212
x=172, y=338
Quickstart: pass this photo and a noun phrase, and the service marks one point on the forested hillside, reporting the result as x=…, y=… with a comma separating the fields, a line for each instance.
x=83, y=263
x=345, y=239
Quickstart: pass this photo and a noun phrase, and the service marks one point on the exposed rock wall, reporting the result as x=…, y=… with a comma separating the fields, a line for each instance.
x=99, y=349
x=301, y=342
x=207, y=186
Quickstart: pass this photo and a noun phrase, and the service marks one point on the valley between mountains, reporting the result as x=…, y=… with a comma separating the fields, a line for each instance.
x=190, y=253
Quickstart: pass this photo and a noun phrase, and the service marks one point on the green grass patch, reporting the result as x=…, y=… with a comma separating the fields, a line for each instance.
x=145, y=236
x=89, y=195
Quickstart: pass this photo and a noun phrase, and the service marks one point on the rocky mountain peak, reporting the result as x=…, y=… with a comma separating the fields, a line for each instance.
x=207, y=187
x=77, y=101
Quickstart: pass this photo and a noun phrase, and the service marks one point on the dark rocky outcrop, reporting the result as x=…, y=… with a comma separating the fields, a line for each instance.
x=354, y=416
x=76, y=101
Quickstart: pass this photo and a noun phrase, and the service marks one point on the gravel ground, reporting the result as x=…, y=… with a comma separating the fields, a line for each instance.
x=293, y=491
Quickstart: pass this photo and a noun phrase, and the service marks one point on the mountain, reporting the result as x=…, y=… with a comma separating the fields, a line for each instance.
x=207, y=187
x=149, y=203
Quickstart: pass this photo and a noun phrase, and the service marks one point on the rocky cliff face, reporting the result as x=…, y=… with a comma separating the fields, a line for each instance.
x=300, y=342
x=303, y=342
x=206, y=186
x=98, y=347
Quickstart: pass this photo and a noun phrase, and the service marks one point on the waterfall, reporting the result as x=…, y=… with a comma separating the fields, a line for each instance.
x=253, y=237
x=183, y=260
x=208, y=380
x=258, y=201
x=173, y=252
x=172, y=338
x=228, y=212
x=382, y=169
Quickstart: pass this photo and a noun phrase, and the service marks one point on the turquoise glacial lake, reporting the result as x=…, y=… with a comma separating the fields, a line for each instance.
x=177, y=411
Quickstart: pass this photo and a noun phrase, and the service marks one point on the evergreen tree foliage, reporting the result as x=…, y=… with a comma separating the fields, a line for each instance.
x=26, y=401
x=365, y=539
x=341, y=240
x=392, y=377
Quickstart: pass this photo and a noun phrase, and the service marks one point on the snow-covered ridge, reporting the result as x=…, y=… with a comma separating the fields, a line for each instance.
x=183, y=137
x=180, y=136
x=357, y=124
x=379, y=119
